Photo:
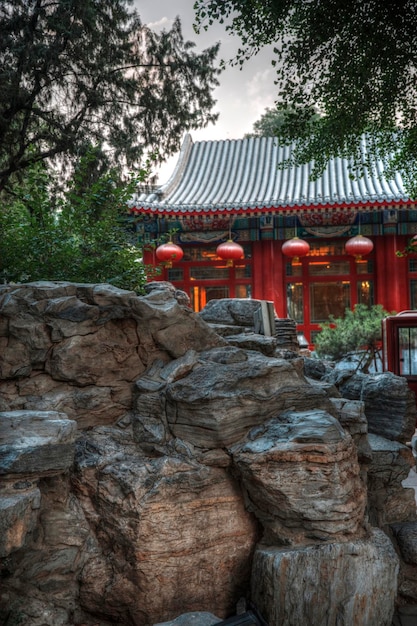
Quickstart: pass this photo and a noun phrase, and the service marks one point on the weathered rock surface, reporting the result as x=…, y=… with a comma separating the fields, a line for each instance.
x=218, y=402
x=193, y=619
x=232, y=311
x=19, y=511
x=294, y=587
x=33, y=442
x=390, y=406
x=79, y=348
x=351, y=415
x=254, y=341
x=302, y=477
x=176, y=532
x=237, y=320
x=406, y=536
x=388, y=501
x=188, y=450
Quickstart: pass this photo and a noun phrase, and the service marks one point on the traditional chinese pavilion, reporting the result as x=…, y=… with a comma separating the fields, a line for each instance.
x=235, y=190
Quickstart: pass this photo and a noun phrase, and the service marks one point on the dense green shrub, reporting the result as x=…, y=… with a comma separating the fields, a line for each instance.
x=81, y=235
x=359, y=330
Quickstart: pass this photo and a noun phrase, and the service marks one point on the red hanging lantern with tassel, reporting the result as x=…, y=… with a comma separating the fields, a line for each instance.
x=169, y=252
x=358, y=246
x=230, y=251
x=295, y=248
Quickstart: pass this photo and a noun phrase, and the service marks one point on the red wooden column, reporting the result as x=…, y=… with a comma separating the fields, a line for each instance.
x=391, y=276
x=268, y=273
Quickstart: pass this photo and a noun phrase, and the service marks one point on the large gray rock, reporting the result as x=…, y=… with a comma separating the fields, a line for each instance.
x=151, y=520
x=302, y=477
x=222, y=398
x=254, y=341
x=34, y=442
x=233, y=311
x=79, y=348
x=19, y=511
x=390, y=406
x=388, y=501
x=351, y=583
x=175, y=533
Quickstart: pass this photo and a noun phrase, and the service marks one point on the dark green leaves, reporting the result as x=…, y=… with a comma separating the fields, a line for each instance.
x=78, y=73
x=358, y=330
x=355, y=61
x=80, y=236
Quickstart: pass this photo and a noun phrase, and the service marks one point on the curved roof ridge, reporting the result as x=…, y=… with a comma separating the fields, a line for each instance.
x=176, y=175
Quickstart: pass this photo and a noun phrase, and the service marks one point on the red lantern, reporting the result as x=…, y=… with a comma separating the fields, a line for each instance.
x=359, y=245
x=295, y=248
x=230, y=251
x=169, y=252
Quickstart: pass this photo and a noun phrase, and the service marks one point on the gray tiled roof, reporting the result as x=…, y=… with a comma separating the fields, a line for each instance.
x=242, y=175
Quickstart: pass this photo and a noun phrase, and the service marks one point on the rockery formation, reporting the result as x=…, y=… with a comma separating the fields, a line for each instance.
x=156, y=463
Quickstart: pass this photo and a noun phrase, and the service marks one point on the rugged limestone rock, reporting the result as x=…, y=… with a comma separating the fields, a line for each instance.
x=40, y=585
x=32, y=445
x=34, y=442
x=187, y=451
x=254, y=341
x=390, y=406
x=231, y=311
x=213, y=398
x=176, y=532
x=388, y=501
x=218, y=402
x=237, y=320
x=79, y=348
x=301, y=474
x=294, y=587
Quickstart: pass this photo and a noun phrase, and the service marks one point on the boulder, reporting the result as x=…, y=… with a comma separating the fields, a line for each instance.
x=352, y=583
x=302, y=478
x=388, y=501
x=79, y=348
x=221, y=398
x=187, y=450
x=390, y=406
x=175, y=533
x=232, y=311
x=254, y=341
x=34, y=442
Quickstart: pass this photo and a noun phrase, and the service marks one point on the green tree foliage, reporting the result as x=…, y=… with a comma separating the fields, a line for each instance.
x=81, y=236
x=271, y=122
x=75, y=73
x=356, y=61
x=410, y=248
x=357, y=330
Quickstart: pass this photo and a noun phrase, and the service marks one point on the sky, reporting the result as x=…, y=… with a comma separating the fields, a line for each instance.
x=242, y=96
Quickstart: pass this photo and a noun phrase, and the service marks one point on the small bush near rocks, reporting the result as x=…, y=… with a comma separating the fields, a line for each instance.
x=359, y=329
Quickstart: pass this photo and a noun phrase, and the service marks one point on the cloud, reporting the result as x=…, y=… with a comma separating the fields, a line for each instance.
x=163, y=23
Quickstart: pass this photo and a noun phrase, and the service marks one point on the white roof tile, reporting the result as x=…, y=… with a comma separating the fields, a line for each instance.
x=243, y=175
